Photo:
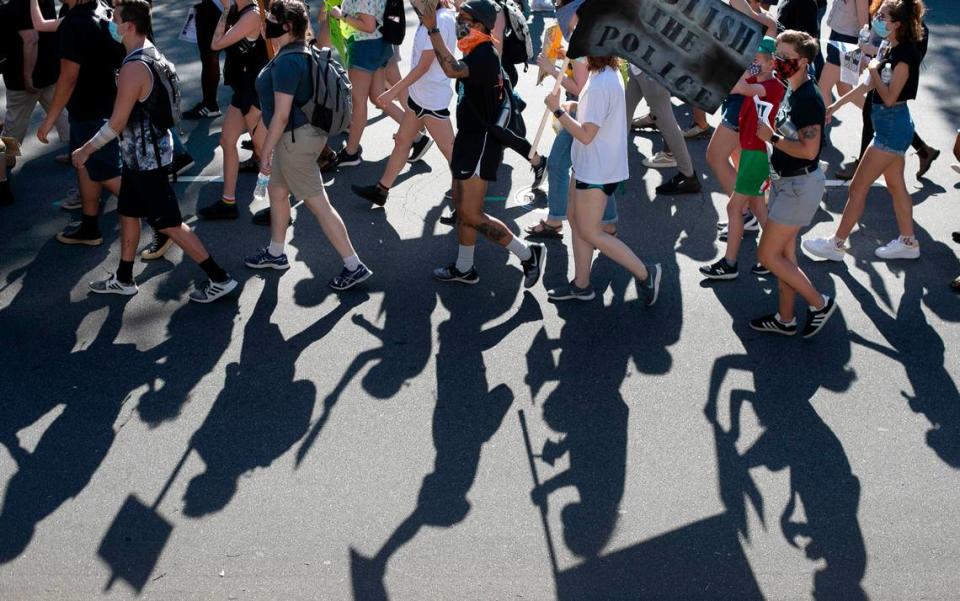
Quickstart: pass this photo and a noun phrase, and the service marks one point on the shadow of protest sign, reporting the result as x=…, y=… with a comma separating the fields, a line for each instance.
x=697, y=49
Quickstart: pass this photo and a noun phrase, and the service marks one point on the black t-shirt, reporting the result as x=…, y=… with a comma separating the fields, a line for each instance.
x=800, y=108
x=800, y=15
x=16, y=16
x=480, y=96
x=909, y=53
x=244, y=59
x=85, y=39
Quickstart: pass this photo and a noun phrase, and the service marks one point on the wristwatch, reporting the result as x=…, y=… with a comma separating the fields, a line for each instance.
x=775, y=138
x=433, y=30
x=559, y=113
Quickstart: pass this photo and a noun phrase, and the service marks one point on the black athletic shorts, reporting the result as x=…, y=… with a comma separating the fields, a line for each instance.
x=149, y=195
x=245, y=95
x=476, y=154
x=420, y=112
x=207, y=17
x=608, y=189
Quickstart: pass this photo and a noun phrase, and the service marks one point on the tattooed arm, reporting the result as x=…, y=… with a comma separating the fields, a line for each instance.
x=806, y=147
x=452, y=68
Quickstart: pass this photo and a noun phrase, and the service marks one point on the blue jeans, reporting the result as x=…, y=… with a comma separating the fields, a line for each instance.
x=558, y=180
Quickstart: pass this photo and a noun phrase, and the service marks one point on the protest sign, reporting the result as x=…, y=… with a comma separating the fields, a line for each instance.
x=188, y=33
x=697, y=49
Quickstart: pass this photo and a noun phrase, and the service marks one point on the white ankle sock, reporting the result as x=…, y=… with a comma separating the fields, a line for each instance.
x=352, y=262
x=275, y=249
x=520, y=249
x=465, y=258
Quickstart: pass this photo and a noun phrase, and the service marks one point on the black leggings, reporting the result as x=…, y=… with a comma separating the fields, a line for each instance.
x=867, y=136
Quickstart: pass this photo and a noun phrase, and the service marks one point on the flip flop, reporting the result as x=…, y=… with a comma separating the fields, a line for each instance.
x=544, y=230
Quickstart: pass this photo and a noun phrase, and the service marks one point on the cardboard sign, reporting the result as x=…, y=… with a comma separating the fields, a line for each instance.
x=697, y=49
x=188, y=33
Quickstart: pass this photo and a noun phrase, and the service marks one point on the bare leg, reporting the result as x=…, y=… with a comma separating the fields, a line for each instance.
x=279, y=212
x=233, y=126
x=722, y=145
x=442, y=133
x=902, y=203
x=590, y=205
x=470, y=214
x=129, y=237
x=401, y=149
x=777, y=253
x=735, y=226
x=872, y=165
x=184, y=237
x=331, y=224
x=392, y=109
x=361, y=81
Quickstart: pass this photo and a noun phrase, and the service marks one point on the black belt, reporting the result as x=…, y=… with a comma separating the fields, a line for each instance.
x=798, y=172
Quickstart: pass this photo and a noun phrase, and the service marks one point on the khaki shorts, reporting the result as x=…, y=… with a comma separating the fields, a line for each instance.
x=295, y=162
x=20, y=106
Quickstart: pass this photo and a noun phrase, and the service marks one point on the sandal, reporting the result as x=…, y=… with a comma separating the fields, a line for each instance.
x=544, y=230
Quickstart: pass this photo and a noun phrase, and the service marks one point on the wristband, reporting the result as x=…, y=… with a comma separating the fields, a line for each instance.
x=559, y=113
x=103, y=137
x=775, y=138
x=433, y=30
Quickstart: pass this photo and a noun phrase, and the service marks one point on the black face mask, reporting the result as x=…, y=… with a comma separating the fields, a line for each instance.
x=274, y=30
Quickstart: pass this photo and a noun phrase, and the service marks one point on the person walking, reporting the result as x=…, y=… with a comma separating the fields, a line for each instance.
x=796, y=188
x=238, y=34
x=477, y=153
x=142, y=119
x=292, y=145
x=599, y=156
x=894, y=80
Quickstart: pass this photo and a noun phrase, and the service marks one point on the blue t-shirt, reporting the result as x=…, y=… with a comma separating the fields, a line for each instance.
x=288, y=73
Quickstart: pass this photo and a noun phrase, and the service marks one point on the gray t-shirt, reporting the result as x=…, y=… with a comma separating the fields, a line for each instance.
x=288, y=73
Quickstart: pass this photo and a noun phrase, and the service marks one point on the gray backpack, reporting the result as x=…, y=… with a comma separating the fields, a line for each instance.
x=330, y=106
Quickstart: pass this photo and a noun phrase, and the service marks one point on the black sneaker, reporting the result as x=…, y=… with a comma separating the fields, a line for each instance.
x=533, y=266
x=374, y=194
x=181, y=163
x=202, y=111
x=759, y=269
x=750, y=223
x=450, y=219
x=219, y=210
x=721, y=270
x=156, y=249
x=75, y=234
x=818, y=318
x=650, y=287
x=539, y=173
x=680, y=184
x=6, y=193
x=246, y=144
x=345, y=159
x=570, y=291
x=328, y=162
x=420, y=147
x=770, y=323
x=450, y=274
x=249, y=166
x=349, y=279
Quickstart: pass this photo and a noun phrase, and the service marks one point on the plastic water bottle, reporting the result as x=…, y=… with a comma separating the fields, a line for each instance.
x=260, y=192
x=886, y=76
x=864, y=37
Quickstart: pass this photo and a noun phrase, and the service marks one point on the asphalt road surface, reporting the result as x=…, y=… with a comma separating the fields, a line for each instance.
x=292, y=443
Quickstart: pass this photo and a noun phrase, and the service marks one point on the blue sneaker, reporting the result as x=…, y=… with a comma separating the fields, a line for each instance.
x=349, y=279
x=264, y=260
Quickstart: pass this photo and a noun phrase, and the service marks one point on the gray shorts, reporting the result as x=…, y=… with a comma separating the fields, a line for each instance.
x=795, y=200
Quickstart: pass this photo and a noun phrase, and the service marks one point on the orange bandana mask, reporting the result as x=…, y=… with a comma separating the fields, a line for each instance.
x=473, y=39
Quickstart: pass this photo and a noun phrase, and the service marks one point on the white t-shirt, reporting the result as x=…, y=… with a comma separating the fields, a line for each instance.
x=602, y=102
x=434, y=90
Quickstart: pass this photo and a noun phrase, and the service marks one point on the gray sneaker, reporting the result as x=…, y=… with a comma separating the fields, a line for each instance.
x=650, y=287
x=570, y=291
x=112, y=285
x=211, y=291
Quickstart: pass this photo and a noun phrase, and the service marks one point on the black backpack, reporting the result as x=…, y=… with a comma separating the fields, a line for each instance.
x=394, y=22
x=517, y=43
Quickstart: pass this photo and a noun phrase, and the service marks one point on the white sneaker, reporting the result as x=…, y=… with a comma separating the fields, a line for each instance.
x=661, y=160
x=825, y=248
x=898, y=249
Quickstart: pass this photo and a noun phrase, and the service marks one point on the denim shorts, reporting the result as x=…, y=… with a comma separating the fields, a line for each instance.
x=368, y=55
x=103, y=164
x=730, y=109
x=892, y=128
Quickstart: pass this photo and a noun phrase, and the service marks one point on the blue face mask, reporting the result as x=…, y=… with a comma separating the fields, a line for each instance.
x=114, y=32
x=880, y=27
x=565, y=14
